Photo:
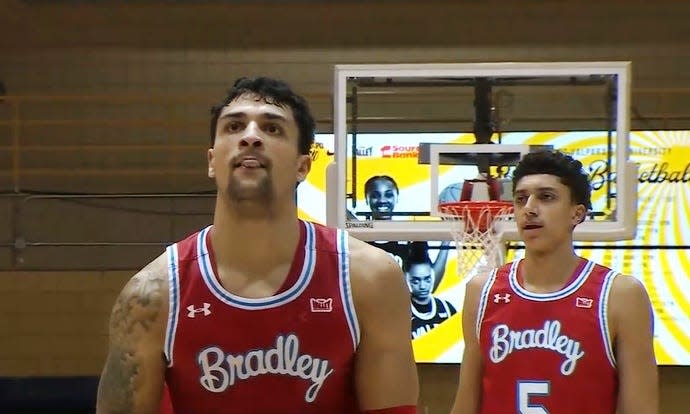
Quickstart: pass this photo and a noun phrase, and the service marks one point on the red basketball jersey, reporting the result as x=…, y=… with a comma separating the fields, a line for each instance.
x=547, y=353
x=289, y=353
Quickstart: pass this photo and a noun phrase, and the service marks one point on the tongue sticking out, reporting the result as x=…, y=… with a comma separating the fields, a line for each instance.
x=251, y=163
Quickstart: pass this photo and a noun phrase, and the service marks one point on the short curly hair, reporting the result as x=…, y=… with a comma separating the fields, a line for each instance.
x=568, y=169
x=275, y=92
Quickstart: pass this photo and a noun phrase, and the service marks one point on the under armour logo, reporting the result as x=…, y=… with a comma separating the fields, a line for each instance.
x=584, y=302
x=206, y=309
x=321, y=304
x=501, y=298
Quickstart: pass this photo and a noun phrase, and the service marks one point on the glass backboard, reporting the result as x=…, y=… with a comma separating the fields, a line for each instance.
x=407, y=136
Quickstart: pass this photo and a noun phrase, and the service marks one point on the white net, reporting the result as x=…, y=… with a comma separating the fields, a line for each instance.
x=478, y=245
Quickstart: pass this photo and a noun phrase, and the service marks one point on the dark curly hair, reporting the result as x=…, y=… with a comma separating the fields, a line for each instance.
x=418, y=253
x=568, y=169
x=275, y=92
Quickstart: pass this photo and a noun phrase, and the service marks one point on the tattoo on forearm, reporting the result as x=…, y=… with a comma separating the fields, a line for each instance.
x=116, y=389
x=133, y=317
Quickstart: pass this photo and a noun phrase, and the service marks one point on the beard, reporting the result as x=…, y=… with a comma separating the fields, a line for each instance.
x=258, y=192
x=252, y=198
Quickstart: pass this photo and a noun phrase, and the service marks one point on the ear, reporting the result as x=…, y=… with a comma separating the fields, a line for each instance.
x=579, y=214
x=303, y=167
x=211, y=168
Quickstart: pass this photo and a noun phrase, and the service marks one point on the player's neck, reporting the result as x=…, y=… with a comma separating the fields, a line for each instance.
x=422, y=301
x=255, y=242
x=548, y=272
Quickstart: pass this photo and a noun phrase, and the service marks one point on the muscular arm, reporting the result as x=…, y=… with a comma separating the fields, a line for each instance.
x=631, y=320
x=132, y=379
x=385, y=371
x=467, y=398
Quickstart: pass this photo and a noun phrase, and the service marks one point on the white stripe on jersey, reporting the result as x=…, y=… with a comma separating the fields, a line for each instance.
x=282, y=298
x=603, y=316
x=346, y=287
x=174, y=307
x=545, y=297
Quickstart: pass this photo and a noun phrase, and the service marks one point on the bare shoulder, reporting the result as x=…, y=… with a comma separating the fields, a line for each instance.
x=373, y=272
x=144, y=298
x=627, y=292
x=632, y=331
x=150, y=282
x=474, y=287
x=476, y=283
x=377, y=280
x=473, y=291
x=629, y=307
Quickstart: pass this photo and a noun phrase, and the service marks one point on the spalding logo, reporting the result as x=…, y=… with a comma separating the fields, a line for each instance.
x=359, y=224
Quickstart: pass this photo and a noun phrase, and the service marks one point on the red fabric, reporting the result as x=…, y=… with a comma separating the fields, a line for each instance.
x=298, y=346
x=544, y=349
x=166, y=404
x=401, y=409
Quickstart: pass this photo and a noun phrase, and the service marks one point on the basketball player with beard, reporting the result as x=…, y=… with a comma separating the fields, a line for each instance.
x=261, y=312
x=555, y=332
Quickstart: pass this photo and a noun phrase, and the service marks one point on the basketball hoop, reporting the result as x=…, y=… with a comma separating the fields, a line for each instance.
x=477, y=243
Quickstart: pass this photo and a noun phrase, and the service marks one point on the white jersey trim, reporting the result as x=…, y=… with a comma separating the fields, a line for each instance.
x=346, y=287
x=425, y=316
x=483, y=299
x=603, y=316
x=545, y=297
x=274, y=301
x=174, y=298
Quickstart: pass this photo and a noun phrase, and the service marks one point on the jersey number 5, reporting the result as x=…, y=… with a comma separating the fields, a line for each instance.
x=527, y=389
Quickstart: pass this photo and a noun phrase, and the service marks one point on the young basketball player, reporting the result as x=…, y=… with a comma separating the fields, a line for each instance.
x=261, y=312
x=554, y=332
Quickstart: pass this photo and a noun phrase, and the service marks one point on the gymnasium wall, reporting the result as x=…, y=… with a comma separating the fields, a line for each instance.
x=120, y=104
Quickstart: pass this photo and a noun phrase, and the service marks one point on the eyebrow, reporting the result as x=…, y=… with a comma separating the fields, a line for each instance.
x=538, y=189
x=265, y=115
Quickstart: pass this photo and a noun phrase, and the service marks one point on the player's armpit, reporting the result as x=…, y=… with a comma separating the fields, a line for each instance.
x=630, y=315
x=385, y=371
x=467, y=398
x=132, y=379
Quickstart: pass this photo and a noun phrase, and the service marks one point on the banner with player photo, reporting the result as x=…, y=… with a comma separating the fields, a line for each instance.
x=659, y=255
